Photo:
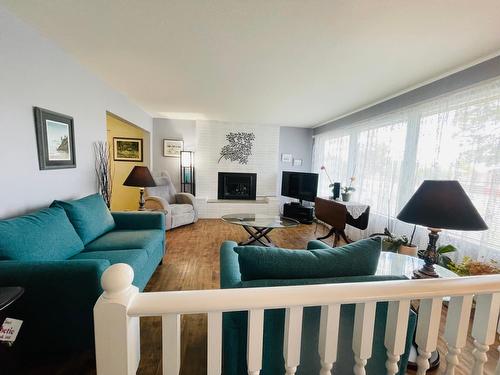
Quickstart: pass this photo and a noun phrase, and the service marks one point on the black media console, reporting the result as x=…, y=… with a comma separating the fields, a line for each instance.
x=304, y=215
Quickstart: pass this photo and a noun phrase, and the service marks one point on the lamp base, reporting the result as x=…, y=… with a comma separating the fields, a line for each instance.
x=141, y=200
x=430, y=257
x=425, y=273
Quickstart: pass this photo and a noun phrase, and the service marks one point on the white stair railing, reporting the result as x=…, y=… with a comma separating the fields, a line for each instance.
x=117, y=313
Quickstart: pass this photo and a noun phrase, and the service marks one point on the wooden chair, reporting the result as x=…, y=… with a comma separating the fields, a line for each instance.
x=335, y=214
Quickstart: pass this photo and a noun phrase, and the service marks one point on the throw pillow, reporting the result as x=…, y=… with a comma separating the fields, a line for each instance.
x=46, y=234
x=359, y=258
x=89, y=215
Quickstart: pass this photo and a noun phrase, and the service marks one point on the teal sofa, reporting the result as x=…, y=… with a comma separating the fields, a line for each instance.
x=252, y=266
x=58, y=254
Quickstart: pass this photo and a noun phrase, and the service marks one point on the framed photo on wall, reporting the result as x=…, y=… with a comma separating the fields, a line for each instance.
x=127, y=149
x=55, y=139
x=172, y=148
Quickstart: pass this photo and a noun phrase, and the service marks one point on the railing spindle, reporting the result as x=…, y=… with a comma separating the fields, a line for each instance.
x=455, y=332
x=395, y=333
x=328, y=337
x=292, y=339
x=483, y=328
x=362, y=340
x=254, y=341
x=171, y=343
x=214, y=344
x=429, y=314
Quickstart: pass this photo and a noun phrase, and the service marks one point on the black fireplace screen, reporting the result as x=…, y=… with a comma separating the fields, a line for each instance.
x=237, y=185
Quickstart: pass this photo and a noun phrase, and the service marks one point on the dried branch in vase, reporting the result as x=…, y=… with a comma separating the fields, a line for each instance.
x=103, y=170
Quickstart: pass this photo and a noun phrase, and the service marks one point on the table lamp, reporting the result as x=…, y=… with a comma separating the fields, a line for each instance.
x=140, y=177
x=440, y=205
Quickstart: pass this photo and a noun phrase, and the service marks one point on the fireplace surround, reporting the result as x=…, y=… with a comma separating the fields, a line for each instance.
x=240, y=186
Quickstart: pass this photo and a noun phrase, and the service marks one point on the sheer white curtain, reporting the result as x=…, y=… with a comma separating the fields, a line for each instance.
x=333, y=154
x=456, y=136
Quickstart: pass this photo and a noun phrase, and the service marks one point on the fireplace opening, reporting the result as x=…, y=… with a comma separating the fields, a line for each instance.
x=237, y=185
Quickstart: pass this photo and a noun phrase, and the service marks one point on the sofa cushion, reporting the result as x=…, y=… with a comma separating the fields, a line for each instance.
x=90, y=216
x=42, y=235
x=178, y=209
x=355, y=259
x=127, y=239
x=135, y=258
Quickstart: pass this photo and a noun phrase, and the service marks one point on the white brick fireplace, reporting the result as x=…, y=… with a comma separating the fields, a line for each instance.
x=210, y=138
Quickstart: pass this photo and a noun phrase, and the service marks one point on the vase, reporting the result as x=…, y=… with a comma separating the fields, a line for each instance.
x=346, y=197
x=408, y=250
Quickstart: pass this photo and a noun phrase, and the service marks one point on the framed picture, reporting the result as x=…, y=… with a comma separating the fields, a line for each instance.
x=55, y=139
x=172, y=148
x=286, y=158
x=127, y=149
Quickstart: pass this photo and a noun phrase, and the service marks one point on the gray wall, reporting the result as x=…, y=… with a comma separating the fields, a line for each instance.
x=171, y=129
x=477, y=73
x=299, y=143
x=35, y=72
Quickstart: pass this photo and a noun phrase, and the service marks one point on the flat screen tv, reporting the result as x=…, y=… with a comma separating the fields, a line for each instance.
x=299, y=185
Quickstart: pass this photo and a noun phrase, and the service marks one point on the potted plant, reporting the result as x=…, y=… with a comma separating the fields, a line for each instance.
x=391, y=242
x=347, y=190
x=442, y=259
x=329, y=179
x=409, y=248
x=469, y=267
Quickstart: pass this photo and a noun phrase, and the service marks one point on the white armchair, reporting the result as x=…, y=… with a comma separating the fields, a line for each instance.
x=180, y=208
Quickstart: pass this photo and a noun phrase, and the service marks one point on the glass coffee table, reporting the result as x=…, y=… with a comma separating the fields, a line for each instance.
x=258, y=226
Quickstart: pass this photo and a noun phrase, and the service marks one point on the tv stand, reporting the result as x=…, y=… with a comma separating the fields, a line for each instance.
x=295, y=210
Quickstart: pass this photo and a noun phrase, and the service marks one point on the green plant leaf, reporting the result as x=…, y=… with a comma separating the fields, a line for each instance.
x=446, y=249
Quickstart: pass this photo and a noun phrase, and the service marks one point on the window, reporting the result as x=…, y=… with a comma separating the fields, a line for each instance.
x=378, y=166
x=463, y=143
x=335, y=160
x=456, y=136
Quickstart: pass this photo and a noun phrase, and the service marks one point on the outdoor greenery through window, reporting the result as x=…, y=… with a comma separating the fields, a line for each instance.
x=454, y=137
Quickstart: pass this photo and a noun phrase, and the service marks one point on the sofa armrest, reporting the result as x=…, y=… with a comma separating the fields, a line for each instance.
x=156, y=203
x=58, y=294
x=230, y=276
x=187, y=198
x=83, y=275
x=139, y=220
x=317, y=244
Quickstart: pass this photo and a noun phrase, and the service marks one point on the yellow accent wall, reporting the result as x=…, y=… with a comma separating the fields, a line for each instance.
x=124, y=197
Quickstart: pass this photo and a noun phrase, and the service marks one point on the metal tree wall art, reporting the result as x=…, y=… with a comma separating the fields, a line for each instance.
x=239, y=147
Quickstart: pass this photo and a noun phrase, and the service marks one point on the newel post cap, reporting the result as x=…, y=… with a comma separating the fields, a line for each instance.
x=117, y=280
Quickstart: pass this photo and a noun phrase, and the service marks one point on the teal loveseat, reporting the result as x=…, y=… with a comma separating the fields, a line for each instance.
x=252, y=266
x=58, y=254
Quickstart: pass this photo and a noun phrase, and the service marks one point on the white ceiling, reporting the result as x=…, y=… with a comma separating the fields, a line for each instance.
x=286, y=62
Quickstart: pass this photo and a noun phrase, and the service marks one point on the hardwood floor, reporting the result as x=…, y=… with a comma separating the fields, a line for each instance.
x=192, y=262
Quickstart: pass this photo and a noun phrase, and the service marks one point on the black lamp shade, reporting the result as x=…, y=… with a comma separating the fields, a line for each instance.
x=442, y=205
x=140, y=177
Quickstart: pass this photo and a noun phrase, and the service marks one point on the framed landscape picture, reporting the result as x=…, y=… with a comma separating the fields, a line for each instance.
x=127, y=149
x=55, y=139
x=172, y=147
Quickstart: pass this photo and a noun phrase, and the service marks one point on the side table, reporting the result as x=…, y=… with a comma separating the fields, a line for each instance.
x=9, y=294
